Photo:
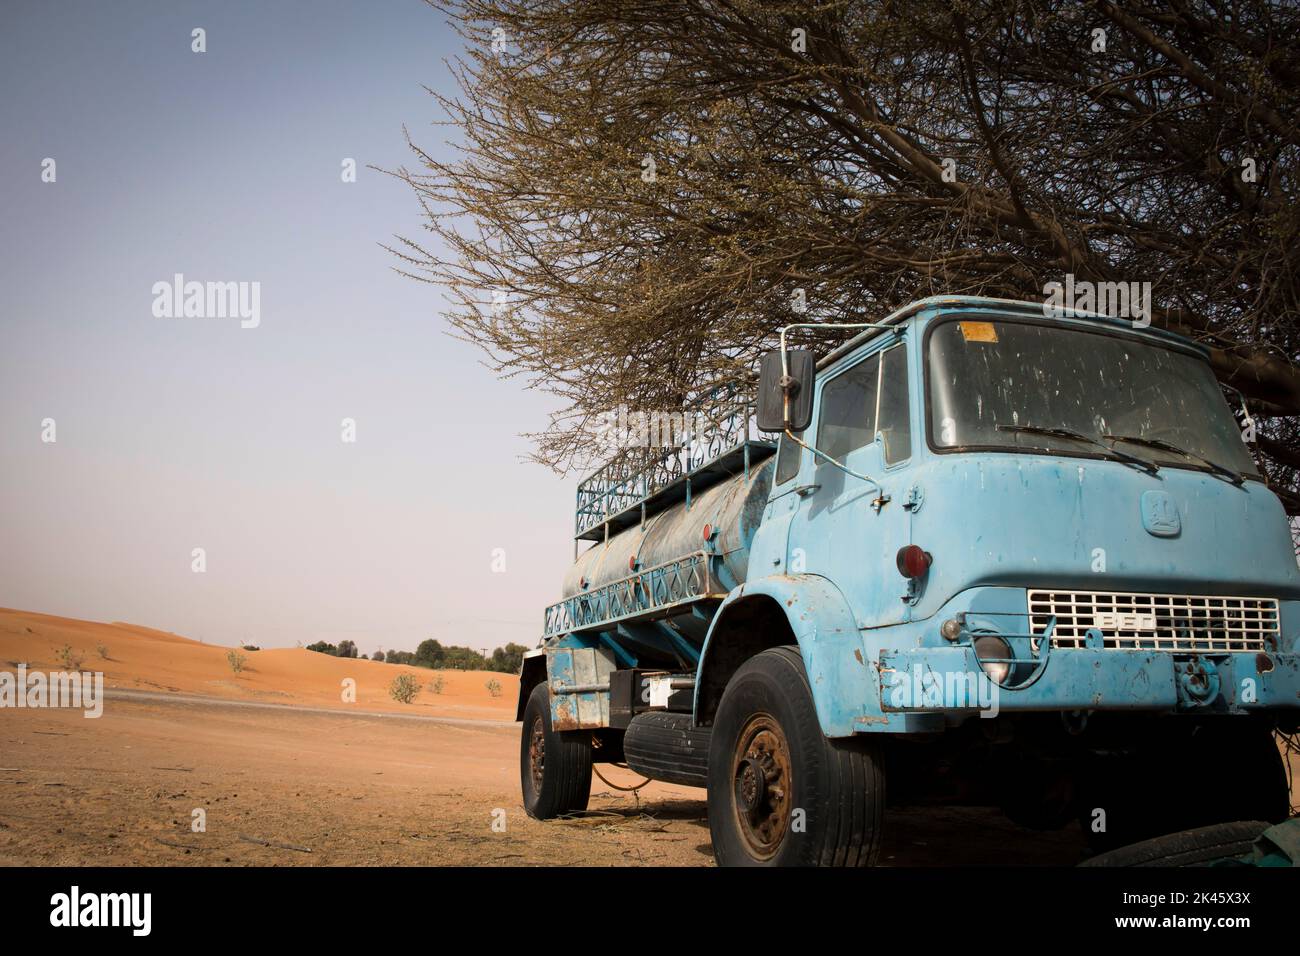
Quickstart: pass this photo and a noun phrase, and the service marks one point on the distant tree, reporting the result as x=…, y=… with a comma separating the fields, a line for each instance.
x=464, y=659
x=400, y=657
x=322, y=648
x=347, y=649
x=508, y=659
x=377, y=655
x=429, y=654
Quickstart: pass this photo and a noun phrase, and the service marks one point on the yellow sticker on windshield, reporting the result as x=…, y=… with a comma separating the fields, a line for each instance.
x=978, y=331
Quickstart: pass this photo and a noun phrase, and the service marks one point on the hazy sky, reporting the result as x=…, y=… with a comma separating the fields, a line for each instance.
x=183, y=433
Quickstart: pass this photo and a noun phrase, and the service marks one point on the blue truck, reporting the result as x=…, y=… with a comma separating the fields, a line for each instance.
x=986, y=552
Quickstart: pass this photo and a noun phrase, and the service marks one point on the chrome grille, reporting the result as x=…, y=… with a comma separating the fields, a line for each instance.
x=1162, y=622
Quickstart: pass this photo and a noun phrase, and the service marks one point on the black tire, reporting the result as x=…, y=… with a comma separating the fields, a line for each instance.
x=554, y=767
x=1224, y=772
x=1199, y=847
x=665, y=746
x=768, y=758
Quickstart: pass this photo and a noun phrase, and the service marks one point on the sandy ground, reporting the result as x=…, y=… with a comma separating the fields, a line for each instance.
x=360, y=788
x=285, y=773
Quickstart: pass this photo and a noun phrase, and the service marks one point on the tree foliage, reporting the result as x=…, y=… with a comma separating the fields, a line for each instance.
x=643, y=185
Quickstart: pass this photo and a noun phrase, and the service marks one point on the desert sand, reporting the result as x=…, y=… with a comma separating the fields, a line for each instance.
x=139, y=658
x=282, y=772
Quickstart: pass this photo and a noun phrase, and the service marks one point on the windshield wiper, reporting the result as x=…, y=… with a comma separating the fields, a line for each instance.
x=1150, y=467
x=1223, y=471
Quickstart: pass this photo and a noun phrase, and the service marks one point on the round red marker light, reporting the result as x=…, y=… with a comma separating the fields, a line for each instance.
x=913, y=561
x=708, y=532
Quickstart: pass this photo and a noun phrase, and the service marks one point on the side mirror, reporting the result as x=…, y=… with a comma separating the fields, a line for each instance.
x=774, y=385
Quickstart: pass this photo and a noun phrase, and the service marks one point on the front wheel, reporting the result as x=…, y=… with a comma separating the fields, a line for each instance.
x=1223, y=772
x=554, y=767
x=780, y=792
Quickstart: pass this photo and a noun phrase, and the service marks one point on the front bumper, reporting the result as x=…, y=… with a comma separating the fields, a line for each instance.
x=931, y=676
x=951, y=679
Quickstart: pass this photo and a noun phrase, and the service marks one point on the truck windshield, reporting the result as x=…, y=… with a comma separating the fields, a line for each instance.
x=1051, y=388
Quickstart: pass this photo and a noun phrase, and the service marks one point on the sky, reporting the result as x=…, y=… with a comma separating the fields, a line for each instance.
x=227, y=434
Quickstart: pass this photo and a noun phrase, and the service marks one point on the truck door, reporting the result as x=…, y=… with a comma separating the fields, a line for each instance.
x=767, y=553
x=844, y=528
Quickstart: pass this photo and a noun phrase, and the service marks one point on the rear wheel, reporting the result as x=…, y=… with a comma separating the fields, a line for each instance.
x=780, y=792
x=554, y=767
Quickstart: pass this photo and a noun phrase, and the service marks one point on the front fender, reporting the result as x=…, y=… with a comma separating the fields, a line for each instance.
x=845, y=684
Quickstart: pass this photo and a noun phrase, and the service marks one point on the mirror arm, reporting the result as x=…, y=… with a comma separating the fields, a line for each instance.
x=840, y=465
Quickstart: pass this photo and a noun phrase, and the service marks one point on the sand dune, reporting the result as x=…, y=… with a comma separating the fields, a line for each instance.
x=140, y=658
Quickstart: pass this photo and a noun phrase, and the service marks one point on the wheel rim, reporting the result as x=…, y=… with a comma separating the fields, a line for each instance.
x=761, y=786
x=537, y=754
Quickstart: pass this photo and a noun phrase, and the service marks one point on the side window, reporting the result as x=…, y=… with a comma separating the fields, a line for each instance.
x=892, y=420
x=787, y=459
x=848, y=409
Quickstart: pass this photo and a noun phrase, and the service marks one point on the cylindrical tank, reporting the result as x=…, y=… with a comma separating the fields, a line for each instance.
x=733, y=508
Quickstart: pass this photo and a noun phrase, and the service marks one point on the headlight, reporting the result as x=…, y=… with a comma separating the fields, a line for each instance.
x=994, y=655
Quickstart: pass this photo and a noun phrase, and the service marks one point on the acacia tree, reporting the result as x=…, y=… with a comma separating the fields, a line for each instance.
x=645, y=190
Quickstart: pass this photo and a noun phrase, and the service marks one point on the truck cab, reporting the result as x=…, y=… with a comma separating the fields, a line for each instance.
x=998, y=553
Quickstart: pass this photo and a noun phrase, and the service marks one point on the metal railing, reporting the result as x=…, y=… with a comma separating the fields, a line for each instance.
x=711, y=427
x=656, y=589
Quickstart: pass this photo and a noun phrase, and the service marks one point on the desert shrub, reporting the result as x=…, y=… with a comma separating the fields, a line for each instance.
x=236, y=660
x=404, y=688
x=436, y=684
x=493, y=687
x=249, y=647
x=101, y=650
x=70, y=659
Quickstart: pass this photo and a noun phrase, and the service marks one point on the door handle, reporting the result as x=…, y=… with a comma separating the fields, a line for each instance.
x=803, y=491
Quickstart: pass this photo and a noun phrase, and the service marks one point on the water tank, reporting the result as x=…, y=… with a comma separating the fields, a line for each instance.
x=733, y=508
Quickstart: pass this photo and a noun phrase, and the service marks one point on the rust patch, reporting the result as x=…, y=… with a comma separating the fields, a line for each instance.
x=1263, y=664
x=565, y=719
x=858, y=654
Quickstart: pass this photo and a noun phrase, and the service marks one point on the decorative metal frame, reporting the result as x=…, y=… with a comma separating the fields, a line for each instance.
x=636, y=473
x=646, y=593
